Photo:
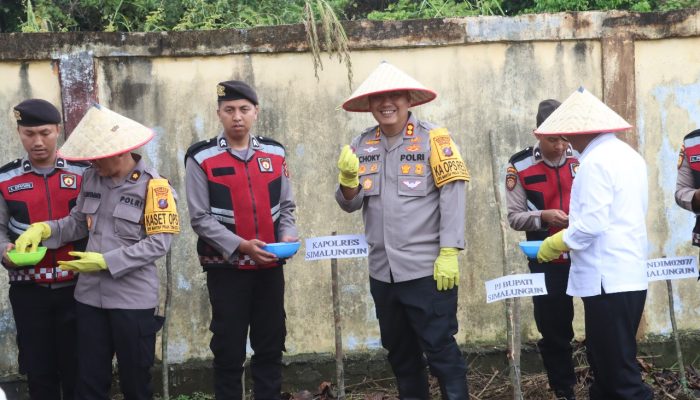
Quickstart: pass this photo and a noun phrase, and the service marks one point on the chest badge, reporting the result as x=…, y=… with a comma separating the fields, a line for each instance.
x=411, y=184
x=419, y=169
x=69, y=181
x=370, y=149
x=405, y=168
x=265, y=164
x=367, y=184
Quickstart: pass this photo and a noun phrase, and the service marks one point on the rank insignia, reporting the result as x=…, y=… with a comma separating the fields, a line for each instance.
x=367, y=184
x=135, y=176
x=511, y=181
x=419, y=169
x=223, y=142
x=286, y=170
x=681, y=156
x=574, y=169
x=511, y=170
x=409, y=129
x=378, y=133
x=265, y=164
x=69, y=181
x=405, y=168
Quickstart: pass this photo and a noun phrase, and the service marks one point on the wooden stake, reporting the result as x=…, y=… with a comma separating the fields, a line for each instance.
x=166, y=314
x=512, y=305
x=679, y=353
x=339, y=368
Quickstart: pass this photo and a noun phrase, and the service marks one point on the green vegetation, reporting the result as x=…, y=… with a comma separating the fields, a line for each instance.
x=180, y=15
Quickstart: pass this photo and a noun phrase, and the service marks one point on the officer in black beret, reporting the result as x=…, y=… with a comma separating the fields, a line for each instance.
x=240, y=198
x=41, y=185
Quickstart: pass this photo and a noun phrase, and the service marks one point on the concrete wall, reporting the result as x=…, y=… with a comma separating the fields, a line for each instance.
x=489, y=74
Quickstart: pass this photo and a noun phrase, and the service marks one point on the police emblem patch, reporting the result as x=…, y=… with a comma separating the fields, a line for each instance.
x=69, y=181
x=367, y=184
x=574, y=169
x=681, y=156
x=220, y=90
x=265, y=164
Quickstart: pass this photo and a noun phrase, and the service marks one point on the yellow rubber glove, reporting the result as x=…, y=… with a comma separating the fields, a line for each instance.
x=348, y=164
x=87, y=262
x=552, y=247
x=29, y=240
x=446, y=268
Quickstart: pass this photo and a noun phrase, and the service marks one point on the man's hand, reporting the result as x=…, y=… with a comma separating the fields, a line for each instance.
x=6, y=260
x=552, y=247
x=29, y=240
x=86, y=262
x=446, y=268
x=348, y=164
x=555, y=218
x=253, y=248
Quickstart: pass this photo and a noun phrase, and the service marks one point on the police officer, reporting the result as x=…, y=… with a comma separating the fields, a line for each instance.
x=688, y=180
x=128, y=214
x=409, y=180
x=538, y=183
x=607, y=240
x=34, y=188
x=240, y=198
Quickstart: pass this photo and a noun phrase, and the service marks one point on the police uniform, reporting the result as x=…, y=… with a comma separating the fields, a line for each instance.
x=42, y=295
x=235, y=196
x=407, y=220
x=116, y=306
x=535, y=184
x=688, y=180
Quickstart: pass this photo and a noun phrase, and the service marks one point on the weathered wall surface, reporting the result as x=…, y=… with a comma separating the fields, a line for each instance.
x=489, y=73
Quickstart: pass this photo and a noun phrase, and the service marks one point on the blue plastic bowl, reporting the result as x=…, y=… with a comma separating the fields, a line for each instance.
x=530, y=248
x=282, y=249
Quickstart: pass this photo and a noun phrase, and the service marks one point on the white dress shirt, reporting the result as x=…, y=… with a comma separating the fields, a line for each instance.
x=607, y=231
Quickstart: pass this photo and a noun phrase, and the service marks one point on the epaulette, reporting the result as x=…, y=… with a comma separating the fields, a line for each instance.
x=521, y=155
x=428, y=126
x=692, y=134
x=197, y=147
x=268, y=140
x=11, y=165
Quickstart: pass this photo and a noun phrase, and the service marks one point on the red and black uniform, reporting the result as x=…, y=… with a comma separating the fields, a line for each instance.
x=42, y=295
x=234, y=196
x=689, y=178
x=533, y=185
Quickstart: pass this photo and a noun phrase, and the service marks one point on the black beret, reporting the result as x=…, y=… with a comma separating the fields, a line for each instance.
x=545, y=109
x=35, y=112
x=236, y=90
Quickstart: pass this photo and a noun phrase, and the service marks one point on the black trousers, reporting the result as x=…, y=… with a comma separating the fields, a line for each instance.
x=241, y=299
x=416, y=322
x=554, y=314
x=612, y=320
x=131, y=335
x=46, y=330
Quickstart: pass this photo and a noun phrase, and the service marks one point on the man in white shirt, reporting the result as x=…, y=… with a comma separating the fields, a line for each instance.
x=607, y=241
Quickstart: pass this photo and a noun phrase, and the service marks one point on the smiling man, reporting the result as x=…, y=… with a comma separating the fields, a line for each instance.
x=34, y=188
x=240, y=198
x=409, y=180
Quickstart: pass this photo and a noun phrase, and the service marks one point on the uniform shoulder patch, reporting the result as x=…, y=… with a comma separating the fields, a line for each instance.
x=428, y=126
x=199, y=146
x=11, y=165
x=521, y=155
x=692, y=134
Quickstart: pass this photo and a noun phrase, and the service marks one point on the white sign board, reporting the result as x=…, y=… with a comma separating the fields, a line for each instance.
x=521, y=285
x=340, y=246
x=661, y=269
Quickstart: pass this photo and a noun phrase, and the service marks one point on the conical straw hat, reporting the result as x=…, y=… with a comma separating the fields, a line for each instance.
x=387, y=78
x=581, y=114
x=103, y=133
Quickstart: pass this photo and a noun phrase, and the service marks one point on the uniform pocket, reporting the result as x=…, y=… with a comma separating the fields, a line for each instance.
x=415, y=186
x=127, y=222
